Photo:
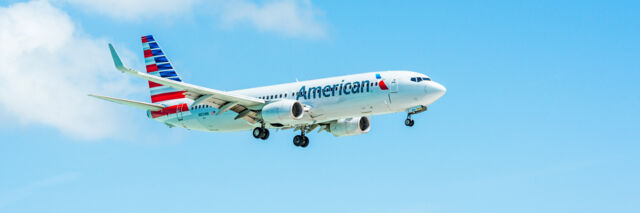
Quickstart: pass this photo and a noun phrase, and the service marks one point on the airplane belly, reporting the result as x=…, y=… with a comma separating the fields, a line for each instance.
x=224, y=122
x=349, y=106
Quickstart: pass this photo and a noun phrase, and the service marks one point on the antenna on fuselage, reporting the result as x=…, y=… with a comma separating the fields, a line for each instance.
x=296, y=79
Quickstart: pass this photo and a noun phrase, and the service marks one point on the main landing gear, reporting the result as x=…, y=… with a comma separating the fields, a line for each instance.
x=301, y=140
x=412, y=111
x=261, y=132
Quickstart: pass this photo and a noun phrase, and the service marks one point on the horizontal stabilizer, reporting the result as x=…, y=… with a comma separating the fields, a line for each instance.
x=136, y=104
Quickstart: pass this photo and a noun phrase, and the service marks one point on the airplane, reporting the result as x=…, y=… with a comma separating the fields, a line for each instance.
x=338, y=105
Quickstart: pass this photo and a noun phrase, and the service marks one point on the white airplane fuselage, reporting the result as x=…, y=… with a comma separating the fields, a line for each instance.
x=338, y=98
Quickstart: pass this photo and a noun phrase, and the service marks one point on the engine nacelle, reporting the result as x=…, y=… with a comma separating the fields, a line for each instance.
x=282, y=112
x=350, y=126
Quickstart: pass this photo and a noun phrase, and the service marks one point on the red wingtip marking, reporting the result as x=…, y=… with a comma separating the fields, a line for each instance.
x=144, y=39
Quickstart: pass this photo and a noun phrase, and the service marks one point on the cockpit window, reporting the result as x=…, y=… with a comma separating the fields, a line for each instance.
x=418, y=79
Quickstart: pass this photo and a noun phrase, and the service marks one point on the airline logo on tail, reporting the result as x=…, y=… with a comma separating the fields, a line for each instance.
x=157, y=64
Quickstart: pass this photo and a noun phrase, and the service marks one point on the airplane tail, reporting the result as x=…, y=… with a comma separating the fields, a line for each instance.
x=157, y=64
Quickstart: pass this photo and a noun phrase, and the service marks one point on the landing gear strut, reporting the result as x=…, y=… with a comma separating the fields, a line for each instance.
x=412, y=111
x=261, y=133
x=301, y=140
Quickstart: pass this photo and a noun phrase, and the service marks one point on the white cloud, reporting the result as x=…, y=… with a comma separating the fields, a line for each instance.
x=292, y=18
x=135, y=9
x=296, y=18
x=48, y=69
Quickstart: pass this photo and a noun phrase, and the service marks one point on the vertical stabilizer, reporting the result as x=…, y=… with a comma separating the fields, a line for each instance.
x=157, y=64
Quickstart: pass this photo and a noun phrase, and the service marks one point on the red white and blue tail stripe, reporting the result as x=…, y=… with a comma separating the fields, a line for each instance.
x=158, y=65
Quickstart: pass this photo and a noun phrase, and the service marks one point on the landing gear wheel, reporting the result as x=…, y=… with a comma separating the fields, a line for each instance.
x=265, y=134
x=298, y=140
x=257, y=132
x=260, y=133
x=408, y=122
x=305, y=142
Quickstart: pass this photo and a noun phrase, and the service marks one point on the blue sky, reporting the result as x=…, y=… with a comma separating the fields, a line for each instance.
x=541, y=111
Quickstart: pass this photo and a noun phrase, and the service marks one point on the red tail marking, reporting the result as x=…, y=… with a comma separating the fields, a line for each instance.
x=169, y=110
x=147, y=53
x=167, y=96
x=152, y=68
x=154, y=84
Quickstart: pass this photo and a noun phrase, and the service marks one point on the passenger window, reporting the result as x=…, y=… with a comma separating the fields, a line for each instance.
x=376, y=83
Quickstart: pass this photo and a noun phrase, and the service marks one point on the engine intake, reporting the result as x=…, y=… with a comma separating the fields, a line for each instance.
x=282, y=112
x=350, y=126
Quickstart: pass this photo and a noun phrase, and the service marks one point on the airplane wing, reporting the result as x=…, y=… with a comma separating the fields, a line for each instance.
x=222, y=100
x=136, y=104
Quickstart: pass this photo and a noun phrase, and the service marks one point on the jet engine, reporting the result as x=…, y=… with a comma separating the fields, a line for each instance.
x=282, y=112
x=350, y=126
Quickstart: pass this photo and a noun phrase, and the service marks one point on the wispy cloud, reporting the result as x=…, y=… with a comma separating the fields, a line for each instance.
x=20, y=193
x=49, y=65
x=291, y=18
x=135, y=9
x=294, y=18
x=48, y=69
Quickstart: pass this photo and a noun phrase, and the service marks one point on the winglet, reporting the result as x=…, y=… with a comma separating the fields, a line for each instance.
x=116, y=60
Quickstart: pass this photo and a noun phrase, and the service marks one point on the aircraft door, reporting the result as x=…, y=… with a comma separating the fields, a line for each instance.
x=393, y=85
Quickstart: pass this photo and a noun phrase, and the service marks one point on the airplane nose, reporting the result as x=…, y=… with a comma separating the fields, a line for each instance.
x=435, y=90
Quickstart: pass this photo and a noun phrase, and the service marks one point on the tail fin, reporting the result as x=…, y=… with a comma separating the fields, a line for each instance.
x=158, y=65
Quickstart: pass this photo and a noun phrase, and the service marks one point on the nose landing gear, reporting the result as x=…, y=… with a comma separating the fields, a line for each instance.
x=412, y=111
x=408, y=122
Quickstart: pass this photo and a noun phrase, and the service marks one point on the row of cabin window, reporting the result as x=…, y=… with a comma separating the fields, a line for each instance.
x=199, y=106
x=298, y=93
